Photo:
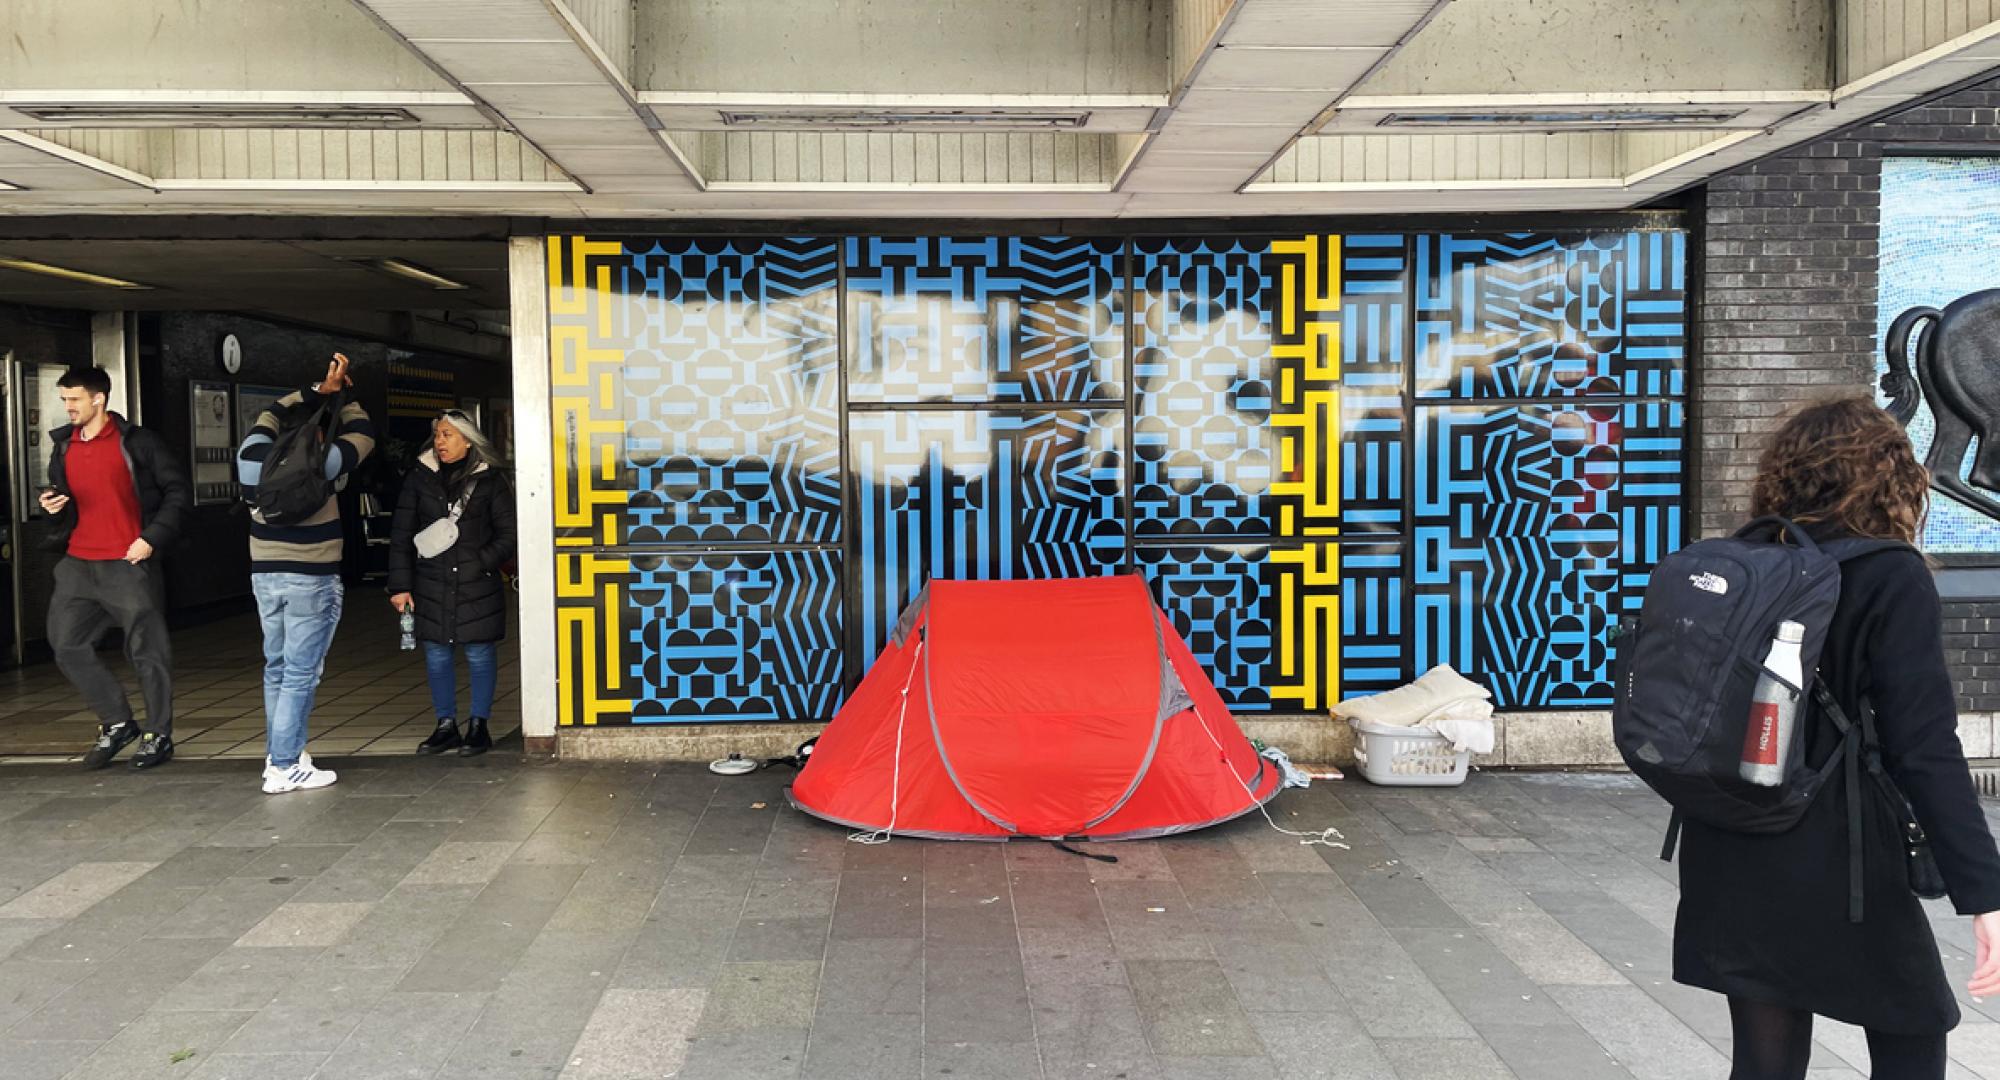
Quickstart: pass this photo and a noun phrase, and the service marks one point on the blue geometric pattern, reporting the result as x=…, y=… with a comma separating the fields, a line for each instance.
x=1374, y=654
x=1218, y=597
x=731, y=392
x=1202, y=370
x=979, y=495
x=735, y=637
x=1534, y=316
x=977, y=319
x=1520, y=541
x=1374, y=323
x=1651, y=482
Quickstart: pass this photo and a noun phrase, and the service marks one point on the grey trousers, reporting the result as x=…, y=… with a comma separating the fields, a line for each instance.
x=91, y=596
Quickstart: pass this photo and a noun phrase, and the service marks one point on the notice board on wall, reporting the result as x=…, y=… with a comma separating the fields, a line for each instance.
x=212, y=440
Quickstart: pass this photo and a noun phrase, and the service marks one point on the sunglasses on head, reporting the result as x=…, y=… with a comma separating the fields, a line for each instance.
x=457, y=414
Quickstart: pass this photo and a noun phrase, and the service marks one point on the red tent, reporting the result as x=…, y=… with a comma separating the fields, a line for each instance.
x=1055, y=709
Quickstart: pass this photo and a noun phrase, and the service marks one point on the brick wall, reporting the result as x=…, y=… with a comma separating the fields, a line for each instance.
x=1787, y=313
x=1787, y=306
x=1972, y=648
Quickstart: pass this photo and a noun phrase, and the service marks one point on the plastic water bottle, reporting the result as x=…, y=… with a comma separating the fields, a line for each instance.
x=409, y=622
x=1774, y=710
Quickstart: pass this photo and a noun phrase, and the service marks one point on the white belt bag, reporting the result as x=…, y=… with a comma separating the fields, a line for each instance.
x=441, y=535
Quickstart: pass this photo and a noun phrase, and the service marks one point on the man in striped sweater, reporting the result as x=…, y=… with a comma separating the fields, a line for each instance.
x=295, y=575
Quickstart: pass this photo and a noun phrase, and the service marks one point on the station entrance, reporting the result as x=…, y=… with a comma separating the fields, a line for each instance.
x=200, y=333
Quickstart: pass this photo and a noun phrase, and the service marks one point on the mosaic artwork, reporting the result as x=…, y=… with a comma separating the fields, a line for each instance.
x=1940, y=242
x=1336, y=460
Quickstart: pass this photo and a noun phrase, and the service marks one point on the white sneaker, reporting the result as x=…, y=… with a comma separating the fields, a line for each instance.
x=301, y=777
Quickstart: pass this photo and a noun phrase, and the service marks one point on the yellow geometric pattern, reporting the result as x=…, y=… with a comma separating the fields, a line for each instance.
x=586, y=372
x=1305, y=419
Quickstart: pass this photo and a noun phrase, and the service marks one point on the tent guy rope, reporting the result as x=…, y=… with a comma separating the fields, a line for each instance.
x=1329, y=836
x=881, y=836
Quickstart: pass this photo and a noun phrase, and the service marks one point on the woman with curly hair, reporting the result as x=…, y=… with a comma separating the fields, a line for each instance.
x=1764, y=918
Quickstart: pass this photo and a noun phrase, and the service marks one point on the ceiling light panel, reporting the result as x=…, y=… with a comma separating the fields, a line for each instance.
x=905, y=120
x=1563, y=119
x=30, y=266
x=233, y=116
x=405, y=269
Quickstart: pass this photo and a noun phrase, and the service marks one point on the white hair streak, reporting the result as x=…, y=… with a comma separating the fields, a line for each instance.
x=481, y=445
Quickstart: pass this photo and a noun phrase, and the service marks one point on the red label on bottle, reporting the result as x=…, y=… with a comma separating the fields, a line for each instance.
x=1760, y=743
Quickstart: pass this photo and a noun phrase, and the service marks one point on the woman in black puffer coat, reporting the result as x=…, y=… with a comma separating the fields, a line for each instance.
x=457, y=595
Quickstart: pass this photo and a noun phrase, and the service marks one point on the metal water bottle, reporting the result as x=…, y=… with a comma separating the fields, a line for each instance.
x=1774, y=710
x=409, y=623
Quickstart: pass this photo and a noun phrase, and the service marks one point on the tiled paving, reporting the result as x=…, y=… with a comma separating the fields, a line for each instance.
x=451, y=919
x=373, y=700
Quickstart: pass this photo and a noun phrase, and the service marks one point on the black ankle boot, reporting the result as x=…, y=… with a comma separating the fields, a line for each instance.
x=444, y=738
x=477, y=741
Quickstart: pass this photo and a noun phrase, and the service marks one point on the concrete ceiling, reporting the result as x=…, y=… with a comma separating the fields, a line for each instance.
x=890, y=108
x=251, y=274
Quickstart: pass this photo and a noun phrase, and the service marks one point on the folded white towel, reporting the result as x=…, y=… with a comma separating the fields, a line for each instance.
x=1468, y=723
x=1408, y=706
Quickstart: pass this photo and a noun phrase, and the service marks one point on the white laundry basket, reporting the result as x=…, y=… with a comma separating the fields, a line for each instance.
x=1408, y=757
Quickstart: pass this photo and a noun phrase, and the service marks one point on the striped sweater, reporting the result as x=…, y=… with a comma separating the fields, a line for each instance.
x=312, y=546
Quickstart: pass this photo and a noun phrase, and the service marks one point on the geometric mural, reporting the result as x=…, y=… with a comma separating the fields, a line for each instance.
x=703, y=638
x=726, y=395
x=1336, y=459
x=1521, y=546
x=1217, y=596
x=696, y=393
x=1016, y=319
x=1305, y=499
x=979, y=495
x=1202, y=446
x=1531, y=315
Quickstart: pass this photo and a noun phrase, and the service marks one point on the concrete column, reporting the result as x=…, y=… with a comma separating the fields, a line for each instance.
x=111, y=349
x=534, y=463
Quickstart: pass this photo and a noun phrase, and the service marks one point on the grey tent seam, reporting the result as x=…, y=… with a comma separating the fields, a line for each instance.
x=1159, y=720
x=937, y=739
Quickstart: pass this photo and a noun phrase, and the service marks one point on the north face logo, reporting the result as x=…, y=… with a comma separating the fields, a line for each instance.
x=1709, y=582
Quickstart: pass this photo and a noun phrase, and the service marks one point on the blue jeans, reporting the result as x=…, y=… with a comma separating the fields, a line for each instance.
x=483, y=657
x=299, y=613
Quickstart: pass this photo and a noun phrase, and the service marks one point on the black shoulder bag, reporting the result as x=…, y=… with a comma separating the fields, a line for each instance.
x=1863, y=753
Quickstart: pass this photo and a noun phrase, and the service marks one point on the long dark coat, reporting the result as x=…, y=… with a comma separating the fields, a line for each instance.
x=459, y=595
x=1766, y=917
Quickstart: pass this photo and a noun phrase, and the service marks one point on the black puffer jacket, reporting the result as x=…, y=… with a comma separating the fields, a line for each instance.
x=459, y=595
x=165, y=496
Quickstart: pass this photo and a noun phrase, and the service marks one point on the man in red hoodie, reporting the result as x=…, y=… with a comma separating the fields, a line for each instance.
x=119, y=497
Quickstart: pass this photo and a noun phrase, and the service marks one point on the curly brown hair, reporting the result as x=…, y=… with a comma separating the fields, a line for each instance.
x=1845, y=463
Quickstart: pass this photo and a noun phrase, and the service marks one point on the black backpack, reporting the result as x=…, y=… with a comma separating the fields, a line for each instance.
x=293, y=485
x=1687, y=668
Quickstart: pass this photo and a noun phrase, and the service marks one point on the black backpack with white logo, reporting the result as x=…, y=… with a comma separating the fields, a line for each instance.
x=293, y=486
x=1688, y=667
